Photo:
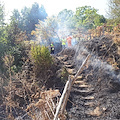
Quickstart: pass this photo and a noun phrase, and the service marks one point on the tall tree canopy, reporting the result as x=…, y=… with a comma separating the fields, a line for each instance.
x=114, y=7
x=87, y=17
x=2, y=14
x=3, y=40
x=65, y=18
x=28, y=17
x=46, y=30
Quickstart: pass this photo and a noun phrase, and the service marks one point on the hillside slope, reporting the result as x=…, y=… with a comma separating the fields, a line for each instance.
x=96, y=93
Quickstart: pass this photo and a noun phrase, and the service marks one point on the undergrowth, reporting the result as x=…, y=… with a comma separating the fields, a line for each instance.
x=41, y=58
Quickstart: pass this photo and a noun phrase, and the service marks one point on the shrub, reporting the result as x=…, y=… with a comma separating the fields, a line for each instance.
x=41, y=58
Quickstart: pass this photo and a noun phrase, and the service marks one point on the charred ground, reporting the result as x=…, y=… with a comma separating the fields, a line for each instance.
x=100, y=98
x=96, y=93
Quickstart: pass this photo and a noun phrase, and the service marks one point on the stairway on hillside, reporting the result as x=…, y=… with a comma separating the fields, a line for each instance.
x=84, y=105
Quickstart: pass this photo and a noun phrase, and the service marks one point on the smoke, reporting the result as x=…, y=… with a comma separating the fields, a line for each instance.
x=63, y=31
x=104, y=66
x=95, y=62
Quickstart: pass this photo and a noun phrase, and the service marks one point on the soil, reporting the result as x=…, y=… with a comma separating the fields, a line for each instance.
x=95, y=95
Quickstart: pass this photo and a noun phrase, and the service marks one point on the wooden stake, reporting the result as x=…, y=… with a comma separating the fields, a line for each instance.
x=60, y=102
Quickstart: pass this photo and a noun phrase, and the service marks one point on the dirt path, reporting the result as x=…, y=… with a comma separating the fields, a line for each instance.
x=95, y=94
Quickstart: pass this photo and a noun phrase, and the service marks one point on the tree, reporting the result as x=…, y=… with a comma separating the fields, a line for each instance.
x=2, y=14
x=42, y=13
x=25, y=20
x=16, y=15
x=28, y=17
x=87, y=17
x=99, y=20
x=46, y=30
x=114, y=7
x=65, y=18
x=12, y=32
x=84, y=16
x=42, y=59
x=36, y=13
x=3, y=36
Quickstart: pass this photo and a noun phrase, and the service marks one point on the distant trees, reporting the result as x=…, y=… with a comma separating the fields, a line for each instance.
x=47, y=29
x=87, y=17
x=3, y=40
x=2, y=14
x=114, y=13
x=28, y=17
x=84, y=17
x=10, y=39
x=65, y=18
x=12, y=31
x=13, y=34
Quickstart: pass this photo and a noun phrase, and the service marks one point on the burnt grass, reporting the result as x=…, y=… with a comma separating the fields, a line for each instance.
x=103, y=78
x=102, y=73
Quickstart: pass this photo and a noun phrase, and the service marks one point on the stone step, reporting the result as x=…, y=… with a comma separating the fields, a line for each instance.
x=60, y=57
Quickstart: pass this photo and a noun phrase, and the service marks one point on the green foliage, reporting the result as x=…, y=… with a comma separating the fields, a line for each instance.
x=19, y=53
x=2, y=14
x=41, y=57
x=3, y=35
x=52, y=26
x=16, y=15
x=28, y=17
x=87, y=17
x=65, y=18
x=114, y=11
x=12, y=31
x=64, y=74
x=47, y=29
x=3, y=42
x=99, y=20
x=10, y=43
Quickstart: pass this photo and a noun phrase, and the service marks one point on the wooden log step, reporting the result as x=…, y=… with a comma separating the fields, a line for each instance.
x=69, y=66
x=88, y=97
x=90, y=104
x=78, y=77
x=71, y=71
x=80, y=82
x=67, y=63
x=84, y=91
x=84, y=86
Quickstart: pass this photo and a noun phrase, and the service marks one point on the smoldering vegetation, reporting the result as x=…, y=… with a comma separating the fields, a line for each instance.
x=103, y=75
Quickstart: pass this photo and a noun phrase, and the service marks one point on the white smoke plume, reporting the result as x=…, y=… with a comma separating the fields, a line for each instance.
x=95, y=62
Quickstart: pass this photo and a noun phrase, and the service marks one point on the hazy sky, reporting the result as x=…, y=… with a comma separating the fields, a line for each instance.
x=55, y=6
